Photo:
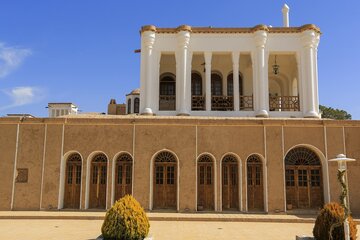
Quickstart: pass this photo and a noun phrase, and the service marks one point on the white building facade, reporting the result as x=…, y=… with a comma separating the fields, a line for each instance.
x=61, y=109
x=189, y=71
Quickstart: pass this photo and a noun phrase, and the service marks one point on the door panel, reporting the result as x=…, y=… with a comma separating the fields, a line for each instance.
x=165, y=186
x=205, y=186
x=123, y=179
x=230, y=192
x=255, y=189
x=72, y=185
x=98, y=185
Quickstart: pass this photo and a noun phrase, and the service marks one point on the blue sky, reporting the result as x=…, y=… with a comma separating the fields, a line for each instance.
x=83, y=51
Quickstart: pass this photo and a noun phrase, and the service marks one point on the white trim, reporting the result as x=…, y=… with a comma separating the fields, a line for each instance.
x=323, y=168
x=264, y=167
x=214, y=180
x=196, y=160
x=62, y=177
x=283, y=165
x=15, y=165
x=133, y=157
x=327, y=163
x=43, y=168
x=152, y=162
x=265, y=177
x=239, y=179
x=113, y=173
x=88, y=168
x=62, y=172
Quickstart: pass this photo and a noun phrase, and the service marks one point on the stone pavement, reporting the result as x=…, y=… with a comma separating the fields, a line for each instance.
x=86, y=225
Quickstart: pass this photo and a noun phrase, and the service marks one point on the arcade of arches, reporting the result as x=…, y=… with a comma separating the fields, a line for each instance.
x=303, y=174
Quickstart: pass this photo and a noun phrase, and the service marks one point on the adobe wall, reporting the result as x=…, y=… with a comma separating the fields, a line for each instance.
x=186, y=137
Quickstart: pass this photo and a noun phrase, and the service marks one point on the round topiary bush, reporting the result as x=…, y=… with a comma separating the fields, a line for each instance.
x=125, y=220
x=332, y=214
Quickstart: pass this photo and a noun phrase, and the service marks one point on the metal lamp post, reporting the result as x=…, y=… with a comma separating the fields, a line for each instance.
x=341, y=159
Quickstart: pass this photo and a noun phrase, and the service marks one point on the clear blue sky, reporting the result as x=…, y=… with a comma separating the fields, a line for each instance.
x=83, y=51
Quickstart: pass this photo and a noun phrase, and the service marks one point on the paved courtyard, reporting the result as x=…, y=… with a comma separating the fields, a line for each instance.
x=160, y=230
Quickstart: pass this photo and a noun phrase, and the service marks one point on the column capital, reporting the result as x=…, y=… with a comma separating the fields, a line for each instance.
x=260, y=38
x=148, y=38
x=310, y=39
x=183, y=38
x=235, y=57
x=207, y=57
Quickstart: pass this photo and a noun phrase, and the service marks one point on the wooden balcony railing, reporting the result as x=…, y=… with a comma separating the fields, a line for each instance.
x=197, y=103
x=246, y=103
x=167, y=102
x=222, y=103
x=284, y=103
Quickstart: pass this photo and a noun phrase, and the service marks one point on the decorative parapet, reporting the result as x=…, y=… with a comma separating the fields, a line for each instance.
x=232, y=30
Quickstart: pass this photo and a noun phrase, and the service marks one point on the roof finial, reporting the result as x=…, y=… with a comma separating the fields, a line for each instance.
x=285, y=11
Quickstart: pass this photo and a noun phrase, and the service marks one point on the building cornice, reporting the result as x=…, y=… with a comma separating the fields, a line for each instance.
x=232, y=30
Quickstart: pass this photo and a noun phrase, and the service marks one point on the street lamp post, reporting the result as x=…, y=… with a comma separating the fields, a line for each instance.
x=341, y=159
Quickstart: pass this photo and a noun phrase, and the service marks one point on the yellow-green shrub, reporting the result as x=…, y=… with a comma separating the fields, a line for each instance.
x=125, y=220
x=330, y=214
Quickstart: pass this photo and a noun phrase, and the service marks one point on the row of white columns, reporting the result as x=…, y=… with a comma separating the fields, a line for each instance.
x=151, y=62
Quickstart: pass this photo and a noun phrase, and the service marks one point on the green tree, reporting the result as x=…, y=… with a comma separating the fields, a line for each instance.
x=329, y=112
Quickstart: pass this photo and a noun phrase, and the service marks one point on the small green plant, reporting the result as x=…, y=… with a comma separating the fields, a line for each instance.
x=125, y=220
x=331, y=219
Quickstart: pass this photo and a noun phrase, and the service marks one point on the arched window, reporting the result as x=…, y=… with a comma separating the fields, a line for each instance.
x=167, y=85
x=230, y=85
x=230, y=183
x=136, y=105
x=73, y=181
x=167, y=98
x=303, y=177
x=129, y=106
x=98, y=180
x=205, y=183
x=255, y=188
x=216, y=84
x=123, y=175
x=196, y=84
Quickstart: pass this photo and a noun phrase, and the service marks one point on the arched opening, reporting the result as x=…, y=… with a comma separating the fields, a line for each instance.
x=205, y=171
x=230, y=85
x=98, y=180
x=73, y=181
x=255, y=183
x=216, y=84
x=129, y=106
x=165, y=181
x=197, y=98
x=136, y=105
x=230, y=183
x=167, y=98
x=123, y=175
x=303, y=177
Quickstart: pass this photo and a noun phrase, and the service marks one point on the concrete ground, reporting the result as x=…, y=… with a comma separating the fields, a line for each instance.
x=87, y=226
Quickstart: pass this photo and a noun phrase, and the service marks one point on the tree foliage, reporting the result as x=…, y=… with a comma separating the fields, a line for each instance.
x=329, y=112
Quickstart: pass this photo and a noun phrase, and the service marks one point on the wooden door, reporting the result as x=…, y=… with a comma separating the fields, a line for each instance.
x=73, y=182
x=255, y=188
x=165, y=186
x=230, y=186
x=304, y=186
x=205, y=186
x=123, y=176
x=98, y=182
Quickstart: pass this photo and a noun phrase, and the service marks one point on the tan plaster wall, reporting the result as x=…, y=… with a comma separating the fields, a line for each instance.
x=50, y=189
x=222, y=139
x=352, y=139
x=109, y=139
x=7, y=157
x=275, y=168
x=30, y=155
x=179, y=139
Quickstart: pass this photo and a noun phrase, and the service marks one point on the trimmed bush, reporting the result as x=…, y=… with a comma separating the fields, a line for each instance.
x=332, y=214
x=125, y=220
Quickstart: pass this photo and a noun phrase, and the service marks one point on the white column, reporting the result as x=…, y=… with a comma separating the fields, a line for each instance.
x=260, y=96
x=309, y=80
x=208, y=56
x=148, y=40
x=183, y=38
x=235, y=61
x=155, y=88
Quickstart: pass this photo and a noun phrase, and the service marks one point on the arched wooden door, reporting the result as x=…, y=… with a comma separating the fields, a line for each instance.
x=304, y=187
x=205, y=183
x=255, y=184
x=123, y=176
x=230, y=183
x=165, y=181
x=73, y=181
x=98, y=181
